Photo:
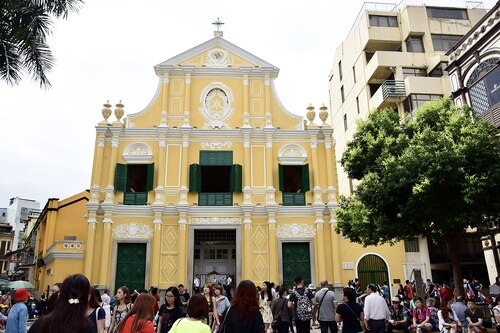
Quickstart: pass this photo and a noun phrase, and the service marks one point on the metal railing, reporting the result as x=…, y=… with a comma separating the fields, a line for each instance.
x=393, y=88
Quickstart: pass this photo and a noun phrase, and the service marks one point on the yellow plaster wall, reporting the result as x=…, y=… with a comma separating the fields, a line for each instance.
x=71, y=221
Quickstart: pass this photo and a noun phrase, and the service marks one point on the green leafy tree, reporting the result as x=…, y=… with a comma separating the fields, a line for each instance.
x=433, y=175
x=24, y=27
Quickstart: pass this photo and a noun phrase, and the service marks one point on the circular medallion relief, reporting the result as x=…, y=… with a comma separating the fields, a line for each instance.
x=217, y=58
x=216, y=101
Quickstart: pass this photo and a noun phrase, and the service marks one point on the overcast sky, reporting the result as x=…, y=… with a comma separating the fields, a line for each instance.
x=108, y=50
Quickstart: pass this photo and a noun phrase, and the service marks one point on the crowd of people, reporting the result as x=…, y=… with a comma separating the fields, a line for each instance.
x=74, y=306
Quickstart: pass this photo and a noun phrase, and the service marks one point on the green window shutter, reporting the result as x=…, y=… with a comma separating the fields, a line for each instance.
x=280, y=174
x=120, y=177
x=305, y=178
x=194, y=178
x=235, y=180
x=216, y=158
x=150, y=177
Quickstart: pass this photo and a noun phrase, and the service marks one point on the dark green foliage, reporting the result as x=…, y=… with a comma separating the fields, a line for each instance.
x=24, y=26
x=433, y=175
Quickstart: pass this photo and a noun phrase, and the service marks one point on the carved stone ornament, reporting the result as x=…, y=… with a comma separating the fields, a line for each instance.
x=132, y=231
x=216, y=145
x=292, y=154
x=295, y=231
x=137, y=153
x=216, y=100
x=215, y=220
x=217, y=58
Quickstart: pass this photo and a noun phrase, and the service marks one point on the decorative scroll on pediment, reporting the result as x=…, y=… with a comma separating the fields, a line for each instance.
x=133, y=231
x=137, y=153
x=292, y=154
x=295, y=231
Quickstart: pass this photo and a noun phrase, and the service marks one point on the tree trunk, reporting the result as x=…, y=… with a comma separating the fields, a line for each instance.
x=454, y=248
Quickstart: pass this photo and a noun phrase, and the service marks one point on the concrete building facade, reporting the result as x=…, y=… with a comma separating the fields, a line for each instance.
x=394, y=57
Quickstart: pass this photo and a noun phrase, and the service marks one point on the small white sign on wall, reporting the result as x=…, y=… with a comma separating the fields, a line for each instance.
x=348, y=265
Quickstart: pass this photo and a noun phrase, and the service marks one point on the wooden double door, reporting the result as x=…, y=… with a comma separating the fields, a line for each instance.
x=131, y=266
x=296, y=260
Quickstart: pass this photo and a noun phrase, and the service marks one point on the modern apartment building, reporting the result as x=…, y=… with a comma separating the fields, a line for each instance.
x=394, y=56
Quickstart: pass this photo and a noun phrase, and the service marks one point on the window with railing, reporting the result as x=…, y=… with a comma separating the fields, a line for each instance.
x=383, y=21
x=447, y=13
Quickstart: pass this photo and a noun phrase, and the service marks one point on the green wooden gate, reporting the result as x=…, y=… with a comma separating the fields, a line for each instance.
x=131, y=266
x=372, y=269
x=296, y=262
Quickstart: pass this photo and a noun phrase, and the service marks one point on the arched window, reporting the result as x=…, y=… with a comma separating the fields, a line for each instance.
x=484, y=90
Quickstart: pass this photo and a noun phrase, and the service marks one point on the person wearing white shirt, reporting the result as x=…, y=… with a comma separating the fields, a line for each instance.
x=105, y=297
x=376, y=310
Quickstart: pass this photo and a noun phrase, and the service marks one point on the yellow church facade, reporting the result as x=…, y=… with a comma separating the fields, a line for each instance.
x=216, y=177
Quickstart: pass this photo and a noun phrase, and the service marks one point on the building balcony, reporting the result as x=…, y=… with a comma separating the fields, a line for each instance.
x=390, y=92
x=428, y=85
x=380, y=64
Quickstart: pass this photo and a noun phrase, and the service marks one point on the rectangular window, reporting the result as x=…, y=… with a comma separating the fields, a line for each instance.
x=354, y=73
x=215, y=178
x=411, y=245
x=436, y=72
x=340, y=70
x=369, y=56
x=444, y=42
x=414, y=72
x=70, y=238
x=357, y=104
x=135, y=180
x=383, y=21
x=2, y=247
x=414, y=44
x=415, y=101
x=447, y=13
x=342, y=96
x=345, y=122
x=293, y=183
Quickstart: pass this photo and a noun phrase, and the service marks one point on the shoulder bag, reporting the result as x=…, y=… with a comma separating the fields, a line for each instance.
x=321, y=302
x=276, y=323
x=222, y=326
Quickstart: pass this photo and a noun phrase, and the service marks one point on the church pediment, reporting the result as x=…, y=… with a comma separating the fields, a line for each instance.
x=215, y=54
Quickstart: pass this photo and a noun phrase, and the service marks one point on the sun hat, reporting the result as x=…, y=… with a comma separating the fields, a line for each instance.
x=312, y=287
x=396, y=299
x=22, y=294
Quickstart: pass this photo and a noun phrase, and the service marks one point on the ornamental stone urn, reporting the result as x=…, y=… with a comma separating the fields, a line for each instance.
x=323, y=113
x=106, y=111
x=310, y=113
x=119, y=111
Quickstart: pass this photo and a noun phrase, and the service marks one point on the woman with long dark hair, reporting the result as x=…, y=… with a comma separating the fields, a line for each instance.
x=221, y=301
x=95, y=313
x=197, y=311
x=243, y=316
x=212, y=320
x=265, y=302
x=122, y=307
x=170, y=311
x=139, y=319
x=69, y=314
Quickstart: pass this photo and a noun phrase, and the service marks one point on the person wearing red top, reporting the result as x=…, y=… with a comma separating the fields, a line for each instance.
x=139, y=319
x=446, y=292
x=154, y=292
x=409, y=290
